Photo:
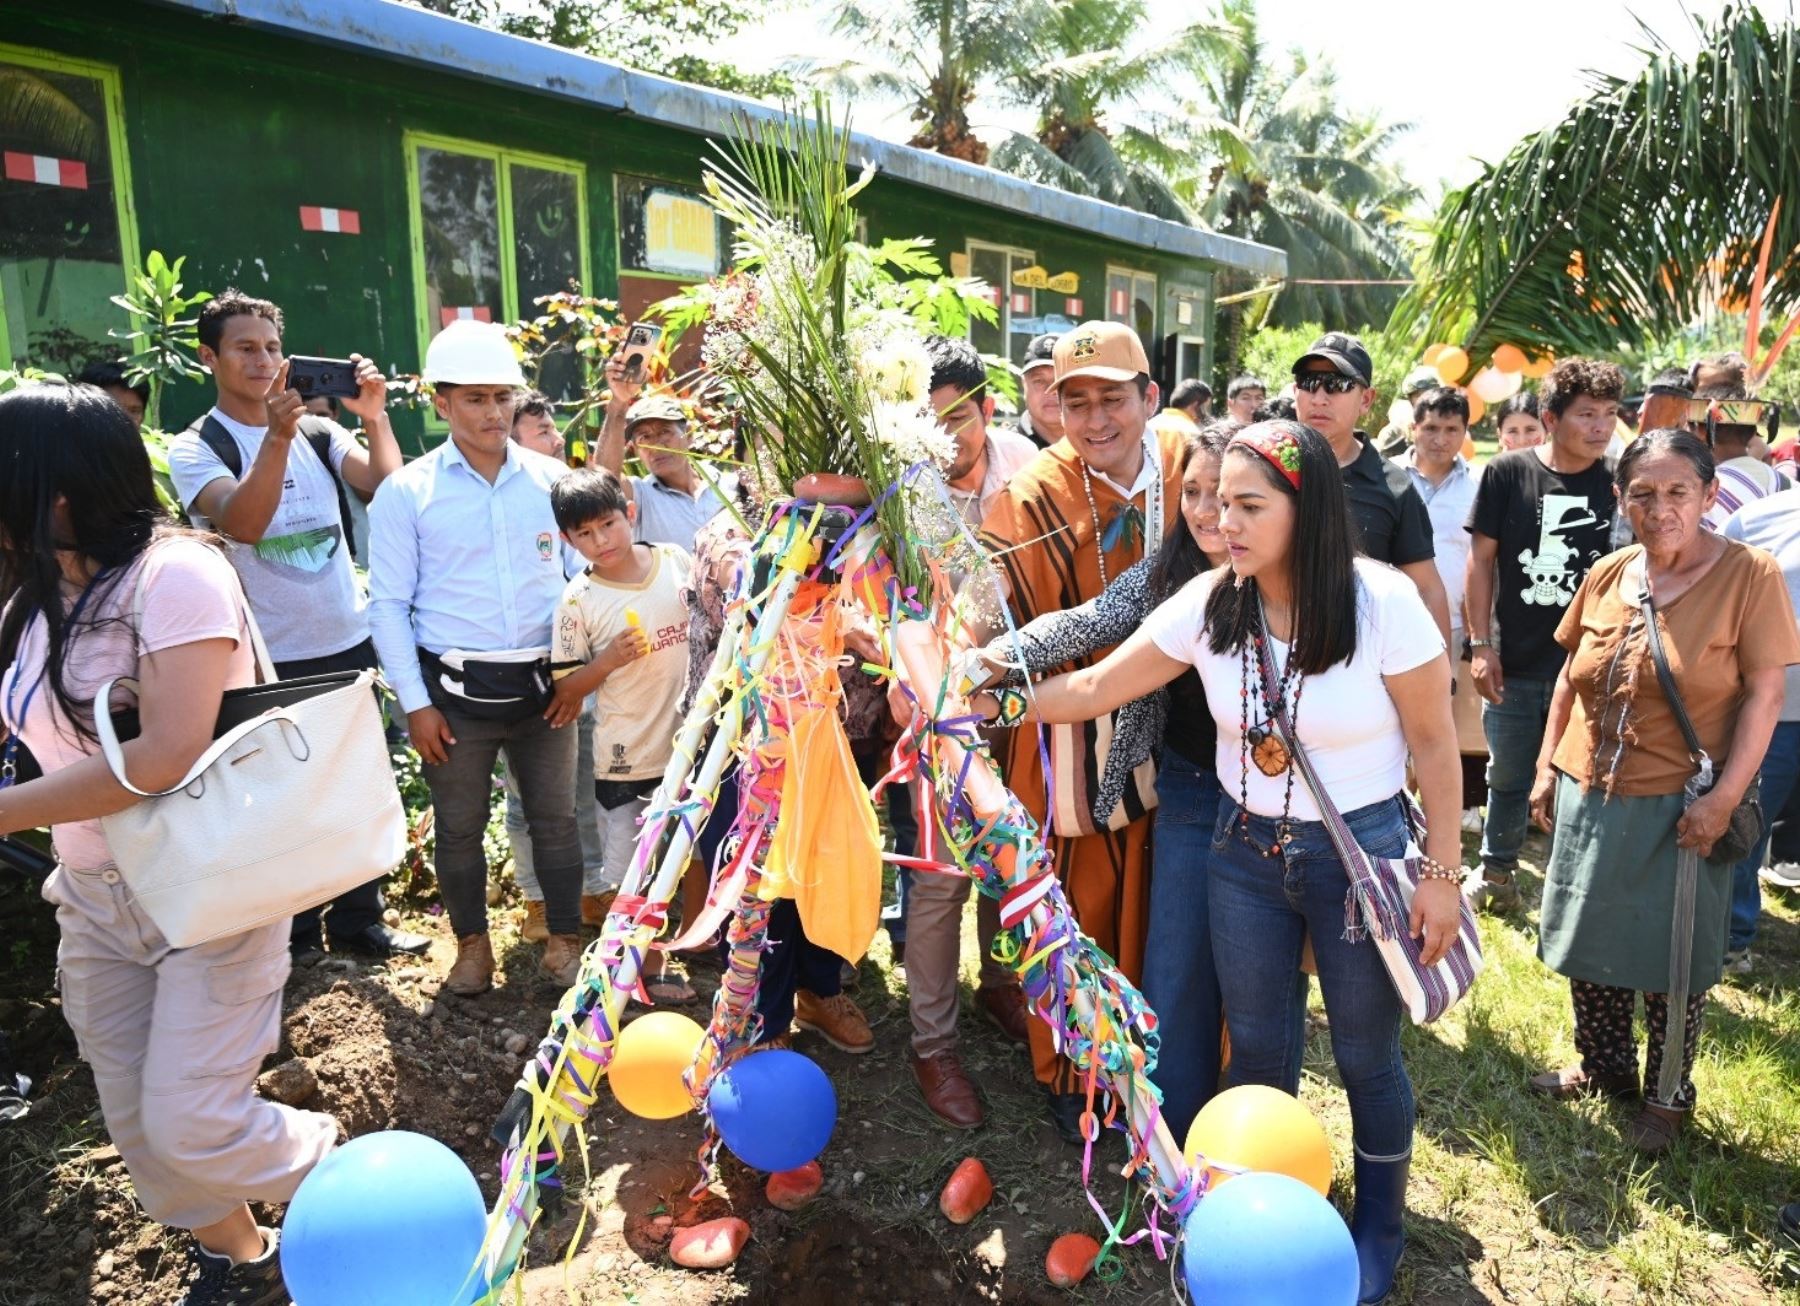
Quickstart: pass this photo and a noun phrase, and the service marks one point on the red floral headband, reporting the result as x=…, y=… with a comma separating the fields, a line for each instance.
x=1277, y=445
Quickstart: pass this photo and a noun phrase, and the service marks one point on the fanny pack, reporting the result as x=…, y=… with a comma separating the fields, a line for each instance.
x=504, y=685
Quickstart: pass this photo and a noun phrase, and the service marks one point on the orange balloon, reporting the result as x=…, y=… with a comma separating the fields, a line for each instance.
x=1509, y=358
x=1254, y=1127
x=648, y=1058
x=1433, y=353
x=1476, y=408
x=1468, y=450
x=1451, y=364
x=1540, y=366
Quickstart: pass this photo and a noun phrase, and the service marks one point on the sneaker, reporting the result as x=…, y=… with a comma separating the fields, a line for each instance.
x=837, y=1020
x=1494, y=894
x=1783, y=875
x=1738, y=961
x=218, y=1282
x=536, y=927
x=1471, y=820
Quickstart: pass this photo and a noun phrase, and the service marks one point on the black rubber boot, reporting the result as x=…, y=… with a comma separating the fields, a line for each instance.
x=1377, y=1227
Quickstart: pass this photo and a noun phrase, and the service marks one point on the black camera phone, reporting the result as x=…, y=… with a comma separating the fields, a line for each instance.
x=322, y=378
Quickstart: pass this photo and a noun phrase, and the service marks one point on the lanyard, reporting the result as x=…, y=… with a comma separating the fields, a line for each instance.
x=15, y=712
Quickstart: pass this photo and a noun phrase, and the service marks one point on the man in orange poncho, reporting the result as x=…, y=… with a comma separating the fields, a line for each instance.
x=1075, y=518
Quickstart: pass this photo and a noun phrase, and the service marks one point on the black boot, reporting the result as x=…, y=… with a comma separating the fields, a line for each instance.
x=1376, y=1227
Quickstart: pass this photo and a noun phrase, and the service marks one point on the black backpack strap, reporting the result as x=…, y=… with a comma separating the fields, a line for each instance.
x=317, y=431
x=215, y=437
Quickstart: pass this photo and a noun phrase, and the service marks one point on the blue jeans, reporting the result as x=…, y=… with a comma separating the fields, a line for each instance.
x=1780, y=769
x=1262, y=909
x=1515, y=732
x=1179, y=981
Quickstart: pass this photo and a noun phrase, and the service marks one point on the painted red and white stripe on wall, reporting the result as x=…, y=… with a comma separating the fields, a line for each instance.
x=1021, y=302
x=346, y=222
x=479, y=313
x=1072, y=307
x=1121, y=301
x=45, y=170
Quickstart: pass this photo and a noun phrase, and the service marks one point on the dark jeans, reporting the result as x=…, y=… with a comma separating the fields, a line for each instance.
x=1180, y=982
x=790, y=960
x=1515, y=732
x=542, y=762
x=354, y=910
x=1262, y=908
x=1780, y=769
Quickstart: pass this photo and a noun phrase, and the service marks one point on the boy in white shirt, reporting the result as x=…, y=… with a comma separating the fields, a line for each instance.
x=622, y=630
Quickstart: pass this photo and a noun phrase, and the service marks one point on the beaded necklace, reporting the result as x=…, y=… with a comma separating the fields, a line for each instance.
x=1264, y=745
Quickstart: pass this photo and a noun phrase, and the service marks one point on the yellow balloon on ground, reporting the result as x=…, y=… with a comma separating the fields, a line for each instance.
x=1509, y=358
x=648, y=1058
x=1257, y=1128
x=1451, y=364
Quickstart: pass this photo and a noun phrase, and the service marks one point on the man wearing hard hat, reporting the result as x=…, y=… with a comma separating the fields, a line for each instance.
x=466, y=570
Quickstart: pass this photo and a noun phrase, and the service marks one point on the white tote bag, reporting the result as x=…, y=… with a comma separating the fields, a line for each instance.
x=285, y=811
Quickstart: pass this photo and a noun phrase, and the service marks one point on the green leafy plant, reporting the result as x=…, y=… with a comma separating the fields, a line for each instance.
x=161, y=339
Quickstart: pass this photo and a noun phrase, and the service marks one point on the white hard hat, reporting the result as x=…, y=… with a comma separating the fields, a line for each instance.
x=468, y=352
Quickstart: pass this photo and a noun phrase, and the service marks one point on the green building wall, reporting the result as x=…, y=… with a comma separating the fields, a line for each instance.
x=229, y=130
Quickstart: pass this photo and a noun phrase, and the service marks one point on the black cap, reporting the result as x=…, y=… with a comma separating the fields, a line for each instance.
x=1039, y=352
x=1345, y=353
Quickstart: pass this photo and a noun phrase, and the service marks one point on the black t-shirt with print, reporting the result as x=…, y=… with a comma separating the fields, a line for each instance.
x=1551, y=527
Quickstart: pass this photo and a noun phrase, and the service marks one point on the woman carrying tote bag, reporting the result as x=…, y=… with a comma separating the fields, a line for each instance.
x=1358, y=668
x=174, y=1036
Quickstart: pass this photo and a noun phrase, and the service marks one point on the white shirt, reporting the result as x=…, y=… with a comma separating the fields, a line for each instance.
x=456, y=563
x=1742, y=480
x=298, y=577
x=1347, y=722
x=1447, y=504
x=1007, y=452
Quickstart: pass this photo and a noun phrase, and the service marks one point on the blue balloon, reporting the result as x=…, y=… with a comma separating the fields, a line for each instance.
x=389, y=1219
x=774, y=1110
x=1268, y=1240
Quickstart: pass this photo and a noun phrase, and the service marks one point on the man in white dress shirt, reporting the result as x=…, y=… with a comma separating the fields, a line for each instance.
x=465, y=575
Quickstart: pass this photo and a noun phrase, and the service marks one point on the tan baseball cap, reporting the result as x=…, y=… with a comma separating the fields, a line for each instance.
x=1109, y=350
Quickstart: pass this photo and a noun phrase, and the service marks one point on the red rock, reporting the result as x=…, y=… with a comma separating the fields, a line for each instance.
x=789, y=1190
x=709, y=1246
x=967, y=1192
x=1070, y=1258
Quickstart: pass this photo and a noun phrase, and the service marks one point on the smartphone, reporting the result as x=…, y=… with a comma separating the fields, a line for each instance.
x=322, y=378
x=640, y=344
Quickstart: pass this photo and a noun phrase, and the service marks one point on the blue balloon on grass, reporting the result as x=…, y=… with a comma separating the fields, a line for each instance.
x=389, y=1219
x=774, y=1110
x=1268, y=1239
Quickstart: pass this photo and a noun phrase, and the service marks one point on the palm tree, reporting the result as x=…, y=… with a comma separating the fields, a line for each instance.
x=1087, y=70
x=1265, y=152
x=931, y=55
x=1638, y=212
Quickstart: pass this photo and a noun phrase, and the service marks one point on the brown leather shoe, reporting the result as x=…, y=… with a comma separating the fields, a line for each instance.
x=1572, y=1082
x=837, y=1020
x=1654, y=1127
x=947, y=1089
x=562, y=959
x=535, y=928
x=1004, y=1004
x=473, y=970
x=594, y=907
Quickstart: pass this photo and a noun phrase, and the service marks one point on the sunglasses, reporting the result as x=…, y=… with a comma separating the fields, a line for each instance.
x=1332, y=383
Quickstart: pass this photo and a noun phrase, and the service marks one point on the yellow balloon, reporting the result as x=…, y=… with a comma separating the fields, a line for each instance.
x=1253, y=1127
x=1451, y=364
x=1539, y=367
x=1509, y=358
x=648, y=1058
x=1433, y=353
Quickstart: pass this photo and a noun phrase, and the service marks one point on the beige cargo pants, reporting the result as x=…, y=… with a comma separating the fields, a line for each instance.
x=175, y=1038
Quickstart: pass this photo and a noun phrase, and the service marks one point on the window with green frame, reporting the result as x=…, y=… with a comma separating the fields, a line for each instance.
x=493, y=230
x=66, y=229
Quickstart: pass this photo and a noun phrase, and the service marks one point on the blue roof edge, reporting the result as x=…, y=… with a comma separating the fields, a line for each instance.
x=417, y=36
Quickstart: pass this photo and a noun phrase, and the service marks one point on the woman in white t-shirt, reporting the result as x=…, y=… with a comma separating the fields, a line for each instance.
x=1360, y=669
x=175, y=1037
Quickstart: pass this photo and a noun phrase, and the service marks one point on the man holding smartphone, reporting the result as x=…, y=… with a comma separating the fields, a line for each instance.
x=674, y=501
x=241, y=472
